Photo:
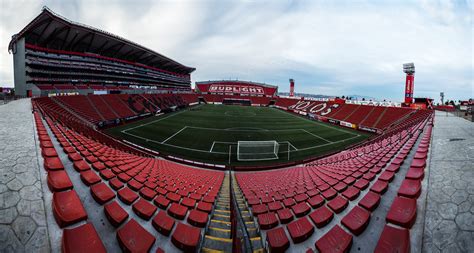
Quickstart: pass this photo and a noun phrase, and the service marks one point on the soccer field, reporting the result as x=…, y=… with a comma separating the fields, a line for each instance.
x=208, y=133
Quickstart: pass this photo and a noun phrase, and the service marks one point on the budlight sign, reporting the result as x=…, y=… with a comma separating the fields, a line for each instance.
x=215, y=88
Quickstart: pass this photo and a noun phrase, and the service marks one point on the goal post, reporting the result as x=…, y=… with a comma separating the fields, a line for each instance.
x=257, y=150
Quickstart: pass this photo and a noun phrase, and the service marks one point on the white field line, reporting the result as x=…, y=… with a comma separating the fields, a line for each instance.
x=318, y=123
x=225, y=142
x=317, y=136
x=174, y=135
x=151, y=122
x=215, y=152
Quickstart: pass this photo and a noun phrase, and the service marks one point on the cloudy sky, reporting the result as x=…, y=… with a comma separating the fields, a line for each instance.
x=328, y=47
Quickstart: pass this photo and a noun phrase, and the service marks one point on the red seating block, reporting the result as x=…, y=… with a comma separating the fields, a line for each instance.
x=188, y=202
x=144, y=209
x=134, y=185
x=277, y=240
x=274, y=206
x=133, y=237
x=115, y=213
x=285, y=215
x=259, y=209
x=98, y=166
x=82, y=239
x=147, y=193
x=338, y=204
x=116, y=184
x=102, y=193
x=48, y=152
x=300, y=230
x=162, y=202
x=351, y=193
x=81, y=165
x=58, y=180
x=321, y=216
x=387, y=176
x=107, y=174
x=89, y=177
x=46, y=144
x=74, y=156
x=173, y=197
x=410, y=188
x=53, y=163
x=316, y=201
x=289, y=202
x=370, y=201
x=402, y=212
x=329, y=193
x=356, y=220
x=418, y=163
x=178, y=211
x=301, y=197
x=379, y=187
x=393, y=240
x=127, y=196
x=301, y=209
x=340, y=187
x=393, y=167
x=67, y=208
x=205, y=207
x=163, y=223
x=335, y=240
x=186, y=237
x=267, y=220
x=361, y=184
x=415, y=173
x=197, y=218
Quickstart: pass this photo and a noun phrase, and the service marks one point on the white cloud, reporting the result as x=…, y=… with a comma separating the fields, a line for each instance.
x=342, y=47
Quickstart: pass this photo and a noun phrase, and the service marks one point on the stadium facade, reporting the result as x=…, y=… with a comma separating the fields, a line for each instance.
x=55, y=55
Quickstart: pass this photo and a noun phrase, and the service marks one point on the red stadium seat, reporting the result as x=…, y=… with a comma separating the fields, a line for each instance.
x=300, y=230
x=132, y=237
x=301, y=209
x=267, y=221
x=144, y=209
x=58, y=180
x=402, y=212
x=177, y=211
x=197, y=218
x=410, y=188
x=321, y=216
x=116, y=184
x=285, y=215
x=186, y=237
x=277, y=240
x=53, y=163
x=81, y=165
x=89, y=177
x=415, y=173
x=127, y=196
x=102, y=193
x=351, y=193
x=67, y=208
x=338, y=204
x=83, y=238
x=163, y=223
x=370, y=201
x=115, y=213
x=161, y=202
x=356, y=220
x=393, y=240
x=379, y=187
x=316, y=201
x=336, y=240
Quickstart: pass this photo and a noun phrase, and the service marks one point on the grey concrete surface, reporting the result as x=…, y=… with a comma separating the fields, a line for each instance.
x=22, y=210
x=449, y=218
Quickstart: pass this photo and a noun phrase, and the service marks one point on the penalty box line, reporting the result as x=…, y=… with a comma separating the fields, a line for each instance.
x=235, y=143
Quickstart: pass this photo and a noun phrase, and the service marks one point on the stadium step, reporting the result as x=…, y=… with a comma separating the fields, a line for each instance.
x=218, y=237
x=250, y=224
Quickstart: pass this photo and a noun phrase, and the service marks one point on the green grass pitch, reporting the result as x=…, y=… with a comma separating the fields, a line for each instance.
x=208, y=133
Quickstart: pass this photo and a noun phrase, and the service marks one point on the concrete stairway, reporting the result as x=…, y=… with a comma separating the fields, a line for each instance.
x=250, y=222
x=218, y=237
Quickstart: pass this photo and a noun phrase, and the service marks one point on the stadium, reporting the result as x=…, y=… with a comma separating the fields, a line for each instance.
x=109, y=146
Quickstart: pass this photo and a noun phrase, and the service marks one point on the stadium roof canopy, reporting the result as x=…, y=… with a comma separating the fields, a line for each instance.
x=50, y=30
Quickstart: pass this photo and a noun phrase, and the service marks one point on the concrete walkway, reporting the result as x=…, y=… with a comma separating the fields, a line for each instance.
x=449, y=218
x=22, y=215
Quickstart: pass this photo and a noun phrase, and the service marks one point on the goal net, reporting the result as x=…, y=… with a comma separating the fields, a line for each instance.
x=257, y=150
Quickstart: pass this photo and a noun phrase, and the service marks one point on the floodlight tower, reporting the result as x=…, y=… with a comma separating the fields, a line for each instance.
x=292, y=88
x=409, y=69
